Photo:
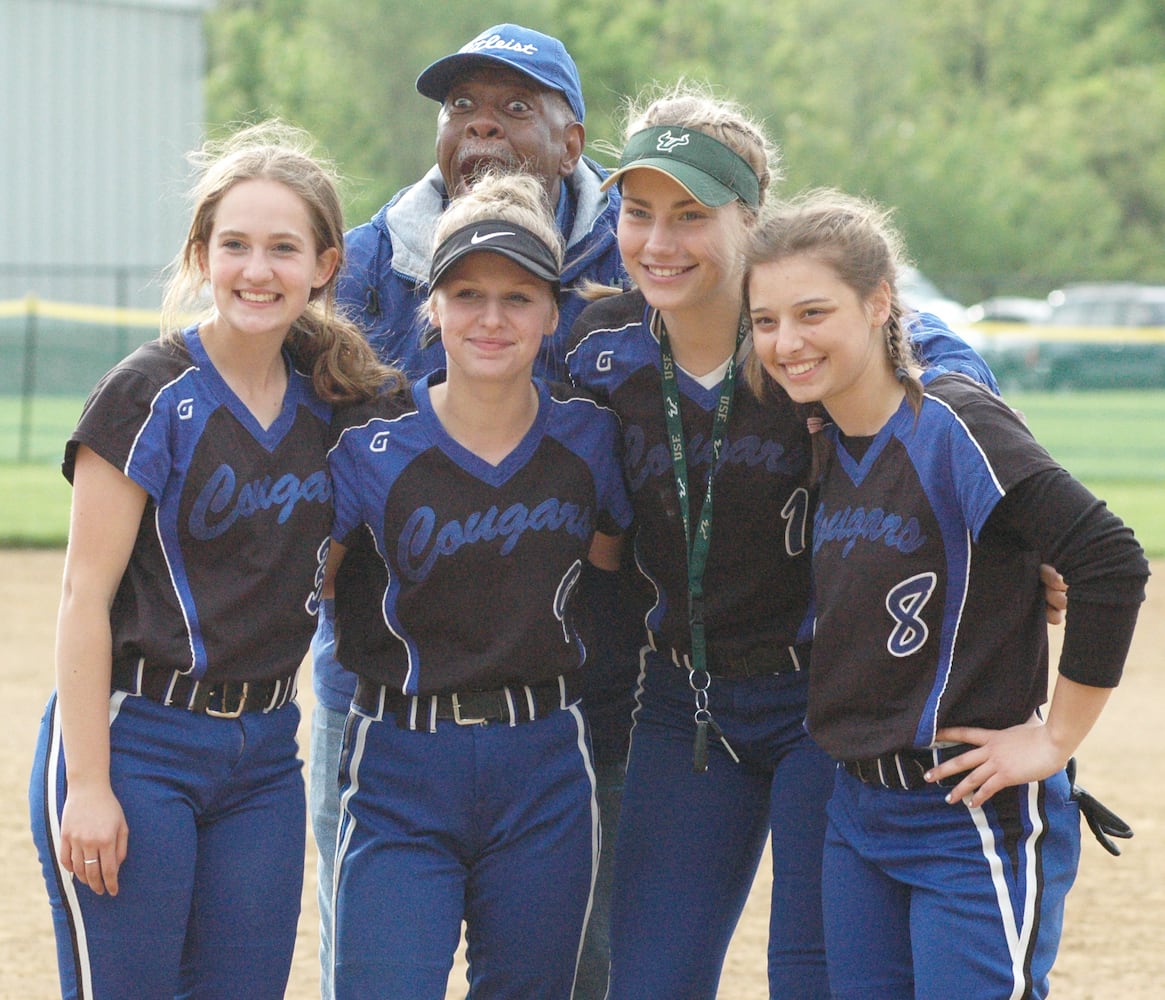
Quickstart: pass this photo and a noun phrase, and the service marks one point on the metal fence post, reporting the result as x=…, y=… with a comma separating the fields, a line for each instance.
x=28, y=384
x=121, y=300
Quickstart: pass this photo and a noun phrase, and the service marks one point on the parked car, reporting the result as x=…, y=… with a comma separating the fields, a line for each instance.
x=918, y=292
x=1097, y=336
x=1010, y=309
x=1114, y=303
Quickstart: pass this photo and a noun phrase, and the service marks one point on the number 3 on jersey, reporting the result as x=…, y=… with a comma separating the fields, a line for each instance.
x=905, y=603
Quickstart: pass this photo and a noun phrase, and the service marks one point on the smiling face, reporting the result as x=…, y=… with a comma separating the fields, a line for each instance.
x=497, y=117
x=816, y=336
x=682, y=254
x=492, y=314
x=261, y=259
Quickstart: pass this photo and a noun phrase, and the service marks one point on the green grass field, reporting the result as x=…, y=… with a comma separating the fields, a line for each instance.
x=35, y=433
x=1113, y=441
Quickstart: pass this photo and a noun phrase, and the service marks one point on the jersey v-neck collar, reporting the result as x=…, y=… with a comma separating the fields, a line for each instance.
x=478, y=467
x=269, y=437
x=707, y=384
x=856, y=469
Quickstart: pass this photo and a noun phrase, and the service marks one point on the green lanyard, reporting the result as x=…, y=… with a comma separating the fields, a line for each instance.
x=697, y=543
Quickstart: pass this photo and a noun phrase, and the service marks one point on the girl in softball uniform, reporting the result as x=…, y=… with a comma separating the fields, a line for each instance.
x=167, y=798
x=953, y=835
x=466, y=512
x=719, y=757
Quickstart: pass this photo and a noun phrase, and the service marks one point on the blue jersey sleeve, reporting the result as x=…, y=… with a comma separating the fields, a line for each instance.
x=127, y=420
x=346, y=492
x=989, y=448
x=976, y=485
x=613, y=499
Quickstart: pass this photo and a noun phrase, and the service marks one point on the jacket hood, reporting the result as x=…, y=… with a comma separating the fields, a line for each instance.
x=411, y=218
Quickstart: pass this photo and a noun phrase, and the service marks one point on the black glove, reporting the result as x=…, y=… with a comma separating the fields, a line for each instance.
x=1101, y=820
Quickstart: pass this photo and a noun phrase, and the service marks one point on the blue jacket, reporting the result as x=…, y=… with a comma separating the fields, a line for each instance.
x=386, y=280
x=386, y=277
x=939, y=347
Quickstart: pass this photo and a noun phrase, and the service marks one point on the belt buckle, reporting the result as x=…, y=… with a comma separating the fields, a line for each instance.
x=465, y=720
x=224, y=713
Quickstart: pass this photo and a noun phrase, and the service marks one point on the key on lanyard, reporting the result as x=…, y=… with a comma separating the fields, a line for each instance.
x=700, y=747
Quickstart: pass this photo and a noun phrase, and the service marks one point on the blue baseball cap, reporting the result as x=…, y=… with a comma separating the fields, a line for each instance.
x=538, y=56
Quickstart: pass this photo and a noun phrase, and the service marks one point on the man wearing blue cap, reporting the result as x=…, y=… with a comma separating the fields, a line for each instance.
x=510, y=99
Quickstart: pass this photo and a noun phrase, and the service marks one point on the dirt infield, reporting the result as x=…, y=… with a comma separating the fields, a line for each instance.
x=1112, y=944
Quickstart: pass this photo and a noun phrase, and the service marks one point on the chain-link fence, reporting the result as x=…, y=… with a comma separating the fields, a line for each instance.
x=51, y=356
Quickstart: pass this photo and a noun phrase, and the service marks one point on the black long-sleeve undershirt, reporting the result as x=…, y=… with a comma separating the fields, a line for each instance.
x=1098, y=556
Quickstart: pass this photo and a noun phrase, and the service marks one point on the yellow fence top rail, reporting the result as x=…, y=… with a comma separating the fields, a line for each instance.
x=1087, y=334
x=30, y=305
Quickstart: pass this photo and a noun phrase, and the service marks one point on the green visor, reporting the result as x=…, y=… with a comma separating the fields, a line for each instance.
x=707, y=169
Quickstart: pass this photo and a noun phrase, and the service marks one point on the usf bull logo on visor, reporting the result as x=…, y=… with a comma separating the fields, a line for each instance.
x=707, y=169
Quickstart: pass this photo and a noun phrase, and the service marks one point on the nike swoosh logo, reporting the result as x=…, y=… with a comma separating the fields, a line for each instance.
x=475, y=239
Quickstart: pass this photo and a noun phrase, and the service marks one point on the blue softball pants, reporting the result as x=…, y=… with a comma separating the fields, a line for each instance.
x=689, y=844
x=493, y=824
x=327, y=740
x=327, y=737
x=209, y=893
x=930, y=901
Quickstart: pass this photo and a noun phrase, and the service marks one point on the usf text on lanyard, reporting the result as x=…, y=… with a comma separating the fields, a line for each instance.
x=697, y=542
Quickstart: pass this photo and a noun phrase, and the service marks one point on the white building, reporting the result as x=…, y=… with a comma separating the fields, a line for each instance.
x=99, y=101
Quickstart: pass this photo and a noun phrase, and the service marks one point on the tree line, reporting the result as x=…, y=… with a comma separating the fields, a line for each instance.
x=1022, y=145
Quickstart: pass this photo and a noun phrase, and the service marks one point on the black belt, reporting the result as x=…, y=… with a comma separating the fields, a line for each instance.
x=761, y=661
x=221, y=699
x=904, y=770
x=511, y=705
